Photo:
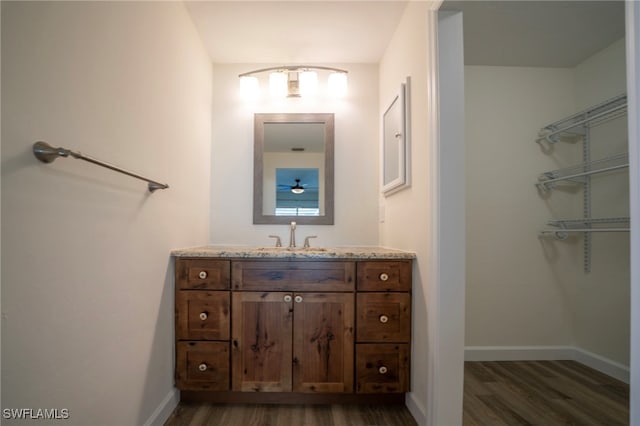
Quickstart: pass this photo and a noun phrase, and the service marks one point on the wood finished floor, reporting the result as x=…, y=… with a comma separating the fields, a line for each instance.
x=499, y=393
x=202, y=414
x=545, y=393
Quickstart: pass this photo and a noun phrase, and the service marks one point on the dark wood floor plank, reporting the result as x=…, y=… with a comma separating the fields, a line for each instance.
x=183, y=414
x=347, y=416
x=606, y=386
x=604, y=410
x=526, y=406
x=201, y=416
x=207, y=414
x=519, y=376
x=503, y=410
x=544, y=393
x=473, y=382
x=318, y=415
x=534, y=398
x=477, y=413
x=579, y=415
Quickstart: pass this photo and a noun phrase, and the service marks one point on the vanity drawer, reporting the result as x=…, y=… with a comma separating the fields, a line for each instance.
x=293, y=275
x=384, y=275
x=202, y=366
x=203, y=274
x=382, y=368
x=203, y=315
x=383, y=317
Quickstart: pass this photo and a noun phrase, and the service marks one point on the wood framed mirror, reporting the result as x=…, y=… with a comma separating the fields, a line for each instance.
x=293, y=179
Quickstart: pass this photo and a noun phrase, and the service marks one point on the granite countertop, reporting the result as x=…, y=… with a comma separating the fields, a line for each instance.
x=296, y=253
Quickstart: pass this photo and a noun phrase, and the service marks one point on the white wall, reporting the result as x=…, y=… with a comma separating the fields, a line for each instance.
x=356, y=159
x=436, y=379
x=523, y=291
x=448, y=242
x=86, y=275
x=519, y=289
x=633, y=92
x=602, y=315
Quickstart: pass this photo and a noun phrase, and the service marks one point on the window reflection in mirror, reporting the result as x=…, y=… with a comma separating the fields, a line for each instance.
x=297, y=192
x=293, y=168
x=291, y=151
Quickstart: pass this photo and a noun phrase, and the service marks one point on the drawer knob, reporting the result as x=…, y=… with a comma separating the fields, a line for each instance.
x=384, y=276
x=203, y=316
x=382, y=370
x=203, y=367
x=384, y=319
x=288, y=298
x=202, y=275
x=298, y=299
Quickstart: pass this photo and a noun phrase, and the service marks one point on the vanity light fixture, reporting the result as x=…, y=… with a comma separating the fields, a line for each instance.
x=297, y=189
x=294, y=81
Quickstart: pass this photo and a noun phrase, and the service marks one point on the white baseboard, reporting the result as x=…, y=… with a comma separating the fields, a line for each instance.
x=548, y=353
x=604, y=365
x=415, y=408
x=517, y=353
x=164, y=409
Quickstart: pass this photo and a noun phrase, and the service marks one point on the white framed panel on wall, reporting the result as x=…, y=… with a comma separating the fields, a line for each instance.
x=395, y=145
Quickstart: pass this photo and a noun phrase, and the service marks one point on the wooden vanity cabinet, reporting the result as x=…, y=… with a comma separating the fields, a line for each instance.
x=292, y=341
x=295, y=326
x=383, y=332
x=203, y=318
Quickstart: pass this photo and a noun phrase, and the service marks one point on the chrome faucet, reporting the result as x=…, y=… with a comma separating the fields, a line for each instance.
x=278, y=242
x=306, y=241
x=292, y=235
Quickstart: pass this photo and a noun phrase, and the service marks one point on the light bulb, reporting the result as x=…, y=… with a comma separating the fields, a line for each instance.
x=249, y=87
x=278, y=84
x=308, y=83
x=338, y=84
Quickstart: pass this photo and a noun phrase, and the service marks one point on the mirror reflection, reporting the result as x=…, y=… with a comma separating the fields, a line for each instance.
x=293, y=170
x=296, y=193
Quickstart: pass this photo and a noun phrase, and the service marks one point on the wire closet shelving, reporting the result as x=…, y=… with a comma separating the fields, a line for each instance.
x=572, y=129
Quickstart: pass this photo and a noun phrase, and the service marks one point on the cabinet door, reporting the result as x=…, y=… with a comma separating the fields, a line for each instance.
x=323, y=342
x=261, y=341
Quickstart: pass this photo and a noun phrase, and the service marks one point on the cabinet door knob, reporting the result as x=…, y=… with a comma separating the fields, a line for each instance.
x=203, y=316
x=384, y=319
x=384, y=276
x=288, y=298
x=203, y=367
x=298, y=299
x=382, y=370
x=202, y=275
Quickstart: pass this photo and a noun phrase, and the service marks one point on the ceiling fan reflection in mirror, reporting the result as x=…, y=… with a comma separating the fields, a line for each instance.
x=298, y=188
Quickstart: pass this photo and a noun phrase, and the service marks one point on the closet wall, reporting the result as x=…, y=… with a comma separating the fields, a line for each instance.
x=601, y=316
x=527, y=294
